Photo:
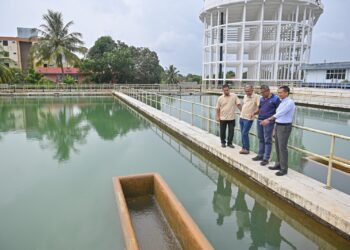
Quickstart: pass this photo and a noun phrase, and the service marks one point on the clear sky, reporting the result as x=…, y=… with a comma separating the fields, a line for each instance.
x=170, y=27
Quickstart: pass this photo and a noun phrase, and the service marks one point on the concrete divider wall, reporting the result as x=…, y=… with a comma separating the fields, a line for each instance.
x=330, y=207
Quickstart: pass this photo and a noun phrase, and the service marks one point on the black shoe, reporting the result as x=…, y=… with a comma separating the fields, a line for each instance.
x=230, y=146
x=264, y=162
x=275, y=168
x=257, y=158
x=281, y=173
x=223, y=145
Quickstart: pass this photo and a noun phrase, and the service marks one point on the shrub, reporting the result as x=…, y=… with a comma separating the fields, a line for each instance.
x=69, y=80
x=44, y=81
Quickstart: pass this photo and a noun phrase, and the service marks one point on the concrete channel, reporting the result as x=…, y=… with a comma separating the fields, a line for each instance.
x=329, y=207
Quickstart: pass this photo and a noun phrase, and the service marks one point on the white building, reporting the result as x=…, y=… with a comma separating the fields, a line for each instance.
x=257, y=40
x=336, y=72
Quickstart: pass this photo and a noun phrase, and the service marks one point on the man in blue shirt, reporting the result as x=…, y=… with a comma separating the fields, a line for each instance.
x=267, y=108
x=284, y=119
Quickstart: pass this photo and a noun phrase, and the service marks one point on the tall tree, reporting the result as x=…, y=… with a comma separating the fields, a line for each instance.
x=110, y=61
x=147, y=68
x=172, y=75
x=55, y=42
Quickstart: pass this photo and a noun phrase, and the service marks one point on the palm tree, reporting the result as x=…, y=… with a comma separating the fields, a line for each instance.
x=5, y=72
x=172, y=75
x=55, y=43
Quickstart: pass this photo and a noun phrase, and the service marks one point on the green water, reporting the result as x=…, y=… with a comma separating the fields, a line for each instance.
x=58, y=157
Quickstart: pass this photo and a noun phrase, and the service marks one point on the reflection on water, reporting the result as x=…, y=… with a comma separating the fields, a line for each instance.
x=45, y=206
x=62, y=124
x=264, y=228
x=62, y=130
x=221, y=200
x=259, y=220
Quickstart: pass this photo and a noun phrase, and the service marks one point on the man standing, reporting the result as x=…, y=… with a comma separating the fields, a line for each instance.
x=284, y=118
x=225, y=114
x=267, y=108
x=249, y=108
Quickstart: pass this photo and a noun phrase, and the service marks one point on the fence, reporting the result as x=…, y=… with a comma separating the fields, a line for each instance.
x=19, y=88
x=314, y=85
x=148, y=98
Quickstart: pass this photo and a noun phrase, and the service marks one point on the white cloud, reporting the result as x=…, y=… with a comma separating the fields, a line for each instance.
x=330, y=37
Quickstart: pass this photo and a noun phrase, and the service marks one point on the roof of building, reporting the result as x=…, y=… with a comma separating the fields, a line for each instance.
x=325, y=66
x=52, y=70
x=18, y=39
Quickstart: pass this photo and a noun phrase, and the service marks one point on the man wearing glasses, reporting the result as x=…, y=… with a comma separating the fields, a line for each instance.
x=267, y=108
x=283, y=118
x=250, y=105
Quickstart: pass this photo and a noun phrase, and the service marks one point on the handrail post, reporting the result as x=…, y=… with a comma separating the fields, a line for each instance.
x=170, y=106
x=208, y=119
x=330, y=163
x=180, y=108
x=192, y=109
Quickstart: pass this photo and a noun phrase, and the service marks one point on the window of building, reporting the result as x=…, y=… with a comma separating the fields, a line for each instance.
x=14, y=53
x=6, y=54
x=5, y=43
x=7, y=65
x=338, y=74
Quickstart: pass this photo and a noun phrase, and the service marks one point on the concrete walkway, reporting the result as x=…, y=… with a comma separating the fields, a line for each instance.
x=330, y=207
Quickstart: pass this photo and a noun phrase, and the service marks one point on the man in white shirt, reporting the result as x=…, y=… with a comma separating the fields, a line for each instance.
x=284, y=119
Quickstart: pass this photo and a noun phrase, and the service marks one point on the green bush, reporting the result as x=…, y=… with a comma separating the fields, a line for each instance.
x=69, y=80
x=33, y=77
x=44, y=81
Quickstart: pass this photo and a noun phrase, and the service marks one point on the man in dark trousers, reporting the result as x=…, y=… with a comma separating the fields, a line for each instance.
x=284, y=118
x=225, y=114
x=267, y=108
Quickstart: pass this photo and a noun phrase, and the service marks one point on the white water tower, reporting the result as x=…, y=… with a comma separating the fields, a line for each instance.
x=257, y=41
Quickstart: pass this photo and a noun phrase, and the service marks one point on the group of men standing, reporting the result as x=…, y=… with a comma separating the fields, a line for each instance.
x=275, y=116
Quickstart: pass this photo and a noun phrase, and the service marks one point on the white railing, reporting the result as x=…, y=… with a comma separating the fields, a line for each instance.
x=25, y=88
x=148, y=98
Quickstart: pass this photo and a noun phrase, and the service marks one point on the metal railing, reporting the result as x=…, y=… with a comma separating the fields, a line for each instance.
x=25, y=88
x=148, y=98
x=335, y=98
x=19, y=88
x=313, y=85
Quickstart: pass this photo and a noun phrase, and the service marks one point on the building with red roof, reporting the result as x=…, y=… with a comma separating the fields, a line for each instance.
x=55, y=74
